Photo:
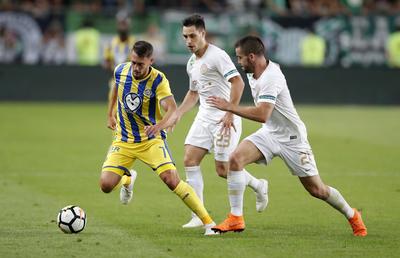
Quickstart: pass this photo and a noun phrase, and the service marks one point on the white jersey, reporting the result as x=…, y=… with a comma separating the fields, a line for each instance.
x=209, y=75
x=284, y=123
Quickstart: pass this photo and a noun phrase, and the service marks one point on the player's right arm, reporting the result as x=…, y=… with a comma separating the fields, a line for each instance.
x=259, y=113
x=188, y=103
x=111, y=113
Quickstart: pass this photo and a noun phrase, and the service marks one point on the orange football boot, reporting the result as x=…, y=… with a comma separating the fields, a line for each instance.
x=232, y=223
x=357, y=224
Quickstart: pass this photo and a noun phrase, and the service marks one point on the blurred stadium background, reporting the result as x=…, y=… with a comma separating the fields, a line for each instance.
x=332, y=51
x=345, y=53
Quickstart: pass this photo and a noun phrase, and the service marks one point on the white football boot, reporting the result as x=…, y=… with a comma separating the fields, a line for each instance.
x=209, y=231
x=195, y=222
x=262, y=195
x=126, y=193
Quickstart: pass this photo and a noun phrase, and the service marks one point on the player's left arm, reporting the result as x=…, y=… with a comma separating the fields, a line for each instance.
x=228, y=70
x=259, y=113
x=237, y=86
x=168, y=104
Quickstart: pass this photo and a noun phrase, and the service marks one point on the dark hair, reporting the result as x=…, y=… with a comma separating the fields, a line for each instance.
x=194, y=20
x=251, y=44
x=143, y=48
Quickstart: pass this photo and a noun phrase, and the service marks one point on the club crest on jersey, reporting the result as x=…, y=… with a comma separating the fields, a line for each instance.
x=132, y=102
x=203, y=68
x=147, y=93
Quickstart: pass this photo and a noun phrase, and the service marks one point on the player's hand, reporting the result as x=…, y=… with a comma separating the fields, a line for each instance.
x=112, y=122
x=152, y=130
x=219, y=103
x=227, y=123
x=172, y=121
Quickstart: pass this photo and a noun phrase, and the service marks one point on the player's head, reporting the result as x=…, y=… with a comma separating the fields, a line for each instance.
x=194, y=32
x=123, y=24
x=248, y=49
x=141, y=58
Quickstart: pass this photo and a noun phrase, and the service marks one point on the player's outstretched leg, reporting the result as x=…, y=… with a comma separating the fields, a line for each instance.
x=189, y=197
x=195, y=179
x=333, y=197
x=126, y=192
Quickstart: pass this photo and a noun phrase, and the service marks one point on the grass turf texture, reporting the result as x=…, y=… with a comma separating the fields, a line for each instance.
x=51, y=156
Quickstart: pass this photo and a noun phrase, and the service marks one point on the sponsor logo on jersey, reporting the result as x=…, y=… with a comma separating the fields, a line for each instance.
x=132, y=102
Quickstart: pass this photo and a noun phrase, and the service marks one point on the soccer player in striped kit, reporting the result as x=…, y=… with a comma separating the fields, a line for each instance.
x=140, y=91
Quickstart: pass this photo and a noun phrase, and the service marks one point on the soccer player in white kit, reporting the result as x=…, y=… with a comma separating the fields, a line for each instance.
x=212, y=72
x=282, y=134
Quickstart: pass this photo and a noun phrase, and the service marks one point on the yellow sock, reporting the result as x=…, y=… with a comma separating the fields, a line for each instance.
x=125, y=180
x=190, y=198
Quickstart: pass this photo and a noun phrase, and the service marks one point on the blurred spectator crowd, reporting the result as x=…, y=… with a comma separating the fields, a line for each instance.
x=43, y=9
x=45, y=21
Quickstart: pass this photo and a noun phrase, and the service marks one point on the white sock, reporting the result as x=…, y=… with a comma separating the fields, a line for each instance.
x=337, y=201
x=236, y=185
x=250, y=180
x=195, y=179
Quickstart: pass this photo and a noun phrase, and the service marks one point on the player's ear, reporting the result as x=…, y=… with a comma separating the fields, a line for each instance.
x=251, y=56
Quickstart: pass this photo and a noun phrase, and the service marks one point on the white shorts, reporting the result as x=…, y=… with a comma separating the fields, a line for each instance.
x=208, y=136
x=297, y=155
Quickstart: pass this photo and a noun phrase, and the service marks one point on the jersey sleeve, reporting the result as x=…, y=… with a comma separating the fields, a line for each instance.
x=192, y=85
x=163, y=89
x=225, y=66
x=117, y=74
x=269, y=91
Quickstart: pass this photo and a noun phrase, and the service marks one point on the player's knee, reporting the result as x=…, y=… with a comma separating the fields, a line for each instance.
x=170, y=178
x=235, y=162
x=189, y=161
x=106, y=187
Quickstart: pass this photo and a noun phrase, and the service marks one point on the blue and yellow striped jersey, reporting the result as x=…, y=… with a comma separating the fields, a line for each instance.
x=138, y=103
x=117, y=51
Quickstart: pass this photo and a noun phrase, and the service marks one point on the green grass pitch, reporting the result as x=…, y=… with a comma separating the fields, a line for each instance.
x=51, y=155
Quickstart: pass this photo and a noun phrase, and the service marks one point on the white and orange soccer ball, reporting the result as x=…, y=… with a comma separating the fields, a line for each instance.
x=71, y=219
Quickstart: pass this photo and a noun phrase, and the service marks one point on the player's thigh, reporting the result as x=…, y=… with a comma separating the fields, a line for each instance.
x=156, y=154
x=246, y=153
x=225, y=144
x=300, y=159
x=200, y=135
x=119, y=160
x=194, y=155
x=266, y=145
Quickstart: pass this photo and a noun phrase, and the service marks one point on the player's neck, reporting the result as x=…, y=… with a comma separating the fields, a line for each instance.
x=202, y=50
x=260, y=67
x=142, y=77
